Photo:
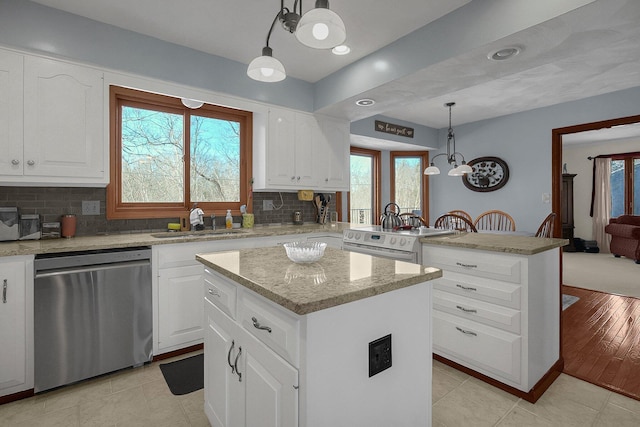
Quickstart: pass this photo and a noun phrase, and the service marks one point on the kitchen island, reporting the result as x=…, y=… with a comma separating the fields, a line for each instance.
x=296, y=344
x=496, y=309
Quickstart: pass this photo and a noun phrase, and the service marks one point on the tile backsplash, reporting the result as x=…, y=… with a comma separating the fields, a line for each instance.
x=53, y=202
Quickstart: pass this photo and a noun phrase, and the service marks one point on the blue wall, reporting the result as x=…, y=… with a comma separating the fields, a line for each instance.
x=523, y=140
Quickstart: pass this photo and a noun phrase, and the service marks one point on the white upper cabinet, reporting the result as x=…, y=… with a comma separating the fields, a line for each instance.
x=289, y=158
x=63, y=118
x=51, y=122
x=11, y=71
x=334, y=156
x=302, y=152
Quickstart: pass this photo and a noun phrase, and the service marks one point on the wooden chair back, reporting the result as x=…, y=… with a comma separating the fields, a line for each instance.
x=451, y=221
x=546, y=228
x=496, y=220
x=463, y=214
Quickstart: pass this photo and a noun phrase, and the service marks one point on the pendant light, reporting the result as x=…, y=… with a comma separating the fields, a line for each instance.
x=319, y=28
x=451, y=154
x=266, y=68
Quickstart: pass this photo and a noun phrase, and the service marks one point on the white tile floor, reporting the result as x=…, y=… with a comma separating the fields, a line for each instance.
x=140, y=397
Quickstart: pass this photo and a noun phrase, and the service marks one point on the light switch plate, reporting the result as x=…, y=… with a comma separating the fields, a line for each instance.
x=91, y=207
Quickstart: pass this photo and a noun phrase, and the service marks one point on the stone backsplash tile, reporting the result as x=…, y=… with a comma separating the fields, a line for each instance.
x=53, y=202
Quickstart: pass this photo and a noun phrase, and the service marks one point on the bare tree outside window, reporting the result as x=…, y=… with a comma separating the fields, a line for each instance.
x=167, y=157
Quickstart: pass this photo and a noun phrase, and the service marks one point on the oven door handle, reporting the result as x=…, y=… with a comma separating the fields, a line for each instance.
x=381, y=252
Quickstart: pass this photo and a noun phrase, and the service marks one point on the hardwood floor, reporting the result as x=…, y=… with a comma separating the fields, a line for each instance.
x=601, y=340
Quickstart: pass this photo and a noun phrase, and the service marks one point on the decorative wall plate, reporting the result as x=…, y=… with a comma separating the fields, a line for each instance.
x=489, y=174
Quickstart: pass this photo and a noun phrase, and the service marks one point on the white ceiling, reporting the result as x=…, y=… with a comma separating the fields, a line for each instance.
x=592, y=50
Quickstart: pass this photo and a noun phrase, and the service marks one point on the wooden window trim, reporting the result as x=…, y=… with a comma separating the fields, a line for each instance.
x=377, y=194
x=115, y=209
x=424, y=155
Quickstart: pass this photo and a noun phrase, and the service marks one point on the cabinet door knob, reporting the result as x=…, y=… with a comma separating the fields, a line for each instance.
x=4, y=292
x=293, y=178
x=466, y=288
x=214, y=293
x=15, y=162
x=31, y=162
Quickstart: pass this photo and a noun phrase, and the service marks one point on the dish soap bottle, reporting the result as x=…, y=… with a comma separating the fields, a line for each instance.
x=228, y=220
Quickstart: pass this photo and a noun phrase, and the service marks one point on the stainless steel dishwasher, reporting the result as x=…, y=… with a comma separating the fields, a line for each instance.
x=92, y=314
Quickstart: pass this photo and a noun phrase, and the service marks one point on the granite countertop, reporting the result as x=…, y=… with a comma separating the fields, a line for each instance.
x=496, y=242
x=337, y=278
x=105, y=241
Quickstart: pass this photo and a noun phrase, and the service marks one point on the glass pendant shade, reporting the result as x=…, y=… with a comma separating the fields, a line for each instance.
x=432, y=170
x=457, y=170
x=266, y=68
x=321, y=28
x=192, y=103
x=465, y=168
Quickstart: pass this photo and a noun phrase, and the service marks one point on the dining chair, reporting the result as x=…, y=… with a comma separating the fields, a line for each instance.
x=495, y=220
x=451, y=221
x=462, y=213
x=412, y=219
x=546, y=228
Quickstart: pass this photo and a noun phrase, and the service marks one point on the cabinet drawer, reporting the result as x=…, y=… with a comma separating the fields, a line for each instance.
x=501, y=293
x=493, y=266
x=474, y=310
x=272, y=325
x=476, y=346
x=220, y=292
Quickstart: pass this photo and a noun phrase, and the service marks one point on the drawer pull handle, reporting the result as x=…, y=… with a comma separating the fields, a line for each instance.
x=466, y=265
x=466, y=310
x=214, y=293
x=235, y=364
x=466, y=288
x=4, y=292
x=233, y=343
x=467, y=332
x=257, y=325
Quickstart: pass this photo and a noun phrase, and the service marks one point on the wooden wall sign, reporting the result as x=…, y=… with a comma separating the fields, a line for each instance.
x=393, y=129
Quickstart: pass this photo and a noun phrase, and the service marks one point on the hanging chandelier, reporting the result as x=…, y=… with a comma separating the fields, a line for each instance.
x=319, y=28
x=451, y=154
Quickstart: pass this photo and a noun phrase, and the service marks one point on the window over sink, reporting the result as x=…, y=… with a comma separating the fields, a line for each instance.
x=165, y=157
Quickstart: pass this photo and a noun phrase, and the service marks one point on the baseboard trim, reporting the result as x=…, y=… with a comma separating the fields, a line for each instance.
x=177, y=352
x=531, y=396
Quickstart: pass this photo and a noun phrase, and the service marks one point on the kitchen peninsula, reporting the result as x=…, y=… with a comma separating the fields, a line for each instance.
x=299, y=344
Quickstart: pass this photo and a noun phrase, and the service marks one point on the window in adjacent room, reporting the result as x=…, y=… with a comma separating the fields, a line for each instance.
x=409, y=185
x=364, y=192
x=625, y=184
x=166, y=157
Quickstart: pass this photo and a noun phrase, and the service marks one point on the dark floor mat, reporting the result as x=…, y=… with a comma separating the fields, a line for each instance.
x=184, y=376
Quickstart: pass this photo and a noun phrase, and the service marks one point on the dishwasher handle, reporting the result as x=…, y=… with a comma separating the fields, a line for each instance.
x=91, y=268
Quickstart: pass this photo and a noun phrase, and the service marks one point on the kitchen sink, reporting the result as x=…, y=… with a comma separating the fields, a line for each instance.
x=196, y=234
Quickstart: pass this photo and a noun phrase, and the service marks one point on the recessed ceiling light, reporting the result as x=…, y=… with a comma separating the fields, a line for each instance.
x=504, y=53
x=342, y=49
x=366, y=102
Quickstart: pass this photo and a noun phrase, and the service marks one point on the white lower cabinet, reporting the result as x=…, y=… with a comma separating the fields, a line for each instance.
x=177, y=288
x=497, y=313
x=266, y=366
x=16, y=324
x=246, y=383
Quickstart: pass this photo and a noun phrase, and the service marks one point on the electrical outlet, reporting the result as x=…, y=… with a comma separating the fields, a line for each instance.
x=379, y=355
x=267, y=205
x=91, y=207
x=546, y=198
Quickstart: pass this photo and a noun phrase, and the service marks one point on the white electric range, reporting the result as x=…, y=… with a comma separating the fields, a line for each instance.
x=402, y=245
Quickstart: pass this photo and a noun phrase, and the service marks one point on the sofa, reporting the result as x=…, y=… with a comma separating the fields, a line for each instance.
x=625, y=236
